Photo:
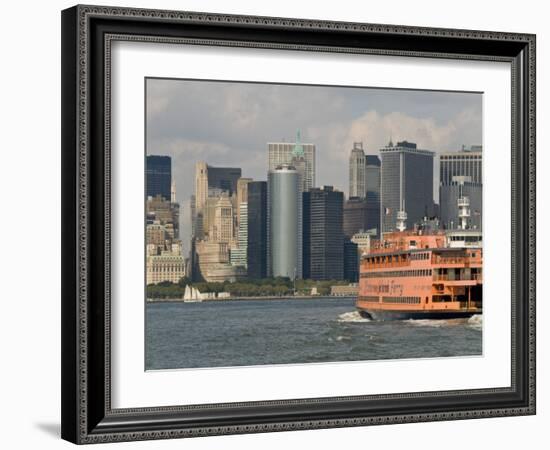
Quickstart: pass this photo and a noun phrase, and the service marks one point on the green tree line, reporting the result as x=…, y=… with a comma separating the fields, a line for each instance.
x=267, y=287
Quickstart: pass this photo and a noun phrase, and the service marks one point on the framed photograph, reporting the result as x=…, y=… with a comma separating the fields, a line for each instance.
x=279, y=224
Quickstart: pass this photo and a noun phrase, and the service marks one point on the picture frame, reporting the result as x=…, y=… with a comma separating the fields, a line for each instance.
x=87, y=35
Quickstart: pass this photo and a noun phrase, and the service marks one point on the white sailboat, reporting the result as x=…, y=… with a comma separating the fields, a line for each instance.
x=191, y=295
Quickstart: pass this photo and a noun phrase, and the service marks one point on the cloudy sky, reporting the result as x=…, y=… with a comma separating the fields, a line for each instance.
x=229, y=124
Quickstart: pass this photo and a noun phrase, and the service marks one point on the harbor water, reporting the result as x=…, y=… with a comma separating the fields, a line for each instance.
x=293, y=331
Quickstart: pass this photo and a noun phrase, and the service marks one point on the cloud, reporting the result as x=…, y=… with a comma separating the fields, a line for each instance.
x=375, y=130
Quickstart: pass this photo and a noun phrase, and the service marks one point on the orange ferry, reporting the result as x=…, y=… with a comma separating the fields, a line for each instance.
x=422, y=275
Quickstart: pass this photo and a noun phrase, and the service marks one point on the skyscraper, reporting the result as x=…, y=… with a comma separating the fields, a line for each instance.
x=467, y=162
x=209, y=177
x=257, y=230
x=285, y=222
x=460, y=174
x=351, y=261
x=160, y=208
x=281, y=153
x=225, y=178
x=158, y=172
x=241, y=196
x=357, y=172
x=239, y=254
x=406, y=184
x=222, y=229
x=372, y=183
x=211, y=182
x=323, y=234
x=355, y=216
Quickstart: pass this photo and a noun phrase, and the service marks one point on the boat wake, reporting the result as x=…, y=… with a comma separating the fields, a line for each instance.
x=353, y=317
x=436, y=323
x=476, y=322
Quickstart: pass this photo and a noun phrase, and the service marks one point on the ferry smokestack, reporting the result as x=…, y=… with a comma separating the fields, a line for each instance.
x=463, y=212
x=401, y=220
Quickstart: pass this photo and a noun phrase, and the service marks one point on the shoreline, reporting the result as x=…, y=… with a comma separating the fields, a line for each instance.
x=240, y=299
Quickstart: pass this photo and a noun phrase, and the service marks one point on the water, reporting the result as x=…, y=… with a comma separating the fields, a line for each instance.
x=245, y=333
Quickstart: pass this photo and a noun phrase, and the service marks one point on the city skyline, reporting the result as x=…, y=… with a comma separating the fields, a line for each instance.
x=238, y=120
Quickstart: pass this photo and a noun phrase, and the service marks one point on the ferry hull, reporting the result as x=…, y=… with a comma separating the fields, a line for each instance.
x=384, y=315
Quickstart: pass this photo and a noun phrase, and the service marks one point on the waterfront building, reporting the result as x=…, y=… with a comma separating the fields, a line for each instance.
x=460, y=174
x=350, y=290
x=323, y=238
x=213, y=262
x=168, y=266
x=351, y=261
x=284, y=222
x=357, y=172
x=256, y=252
x=282, y=153
x=158, y=176
x=406, y=184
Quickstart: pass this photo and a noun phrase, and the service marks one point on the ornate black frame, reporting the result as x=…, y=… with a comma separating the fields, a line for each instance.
x=87, y=31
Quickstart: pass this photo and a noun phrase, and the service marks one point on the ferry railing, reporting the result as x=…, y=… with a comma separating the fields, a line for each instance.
x=450, y=260
x=386, y=265
x=458, y=277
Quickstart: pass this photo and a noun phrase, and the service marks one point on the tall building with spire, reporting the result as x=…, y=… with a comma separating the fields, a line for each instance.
x=357, y=172
x=362, y=209
x=303, y=154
